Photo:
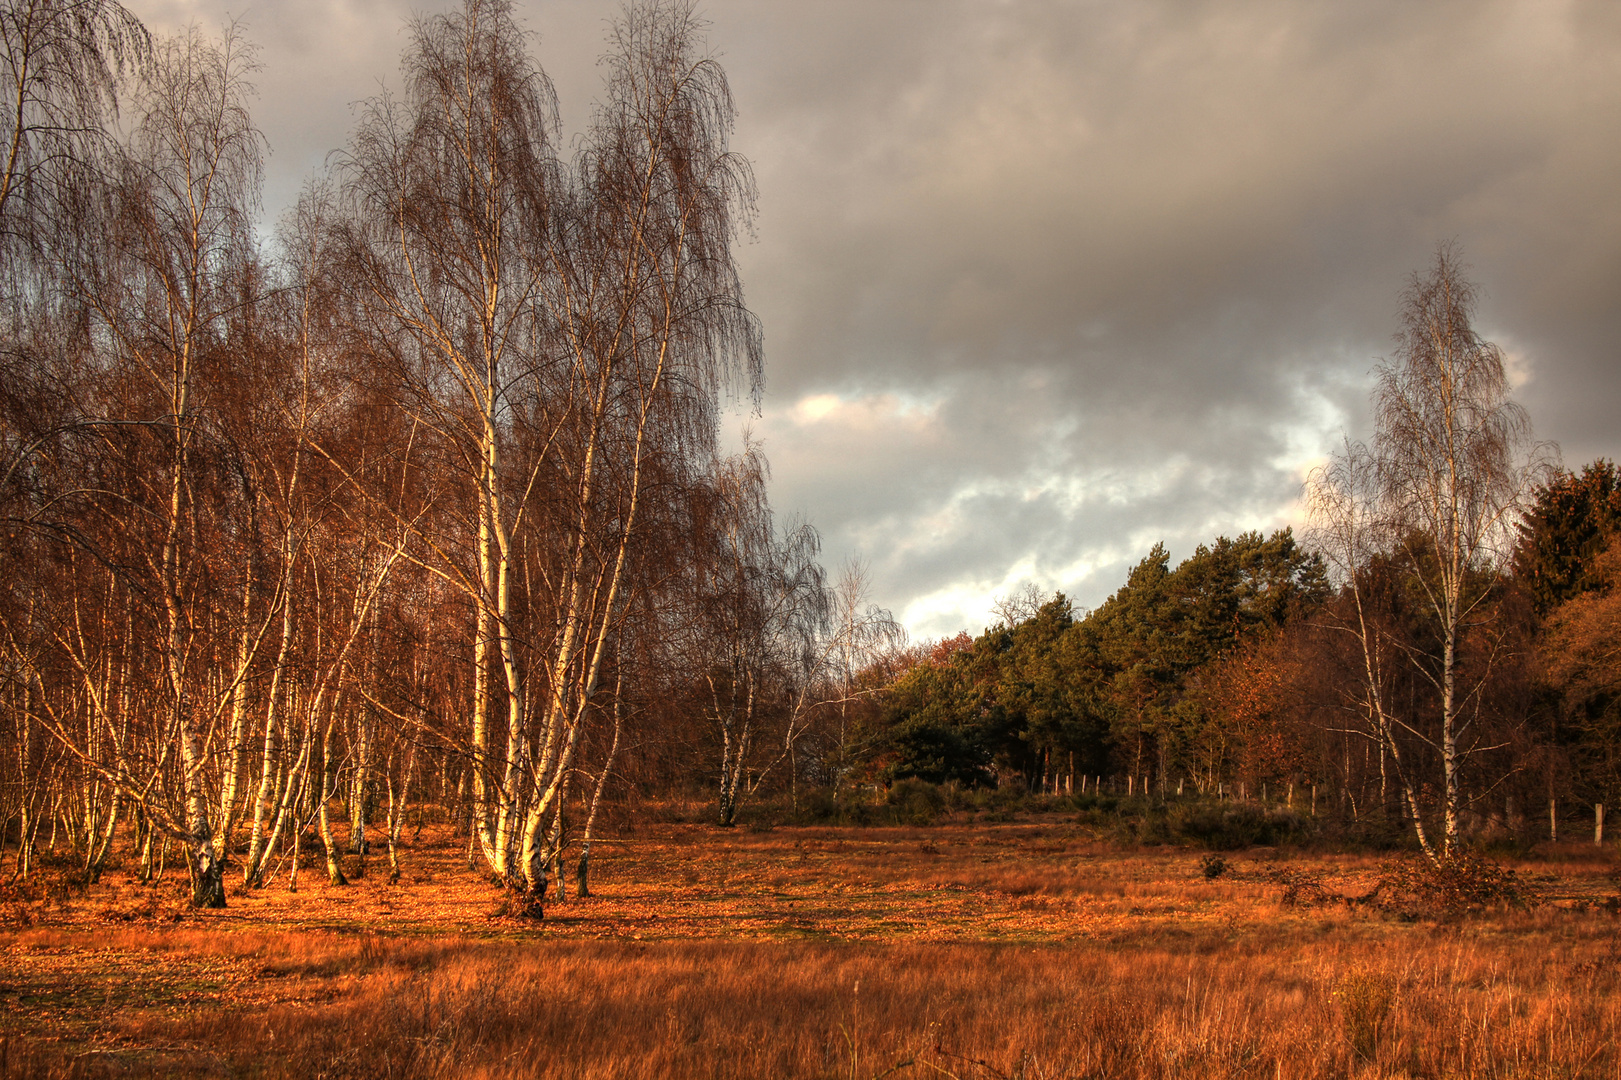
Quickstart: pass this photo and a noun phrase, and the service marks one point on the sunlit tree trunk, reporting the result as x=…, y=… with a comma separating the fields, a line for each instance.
x=582, y=873
x=398, y=800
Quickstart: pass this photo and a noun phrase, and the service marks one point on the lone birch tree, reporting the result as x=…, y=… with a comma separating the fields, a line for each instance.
x=1443, y=485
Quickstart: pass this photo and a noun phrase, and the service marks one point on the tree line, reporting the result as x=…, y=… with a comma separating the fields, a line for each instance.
x=421, y=501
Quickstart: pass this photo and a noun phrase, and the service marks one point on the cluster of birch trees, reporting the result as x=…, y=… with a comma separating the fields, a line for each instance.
x=420, y=502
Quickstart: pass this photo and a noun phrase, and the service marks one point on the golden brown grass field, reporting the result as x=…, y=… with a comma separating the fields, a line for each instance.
x=1030, y=950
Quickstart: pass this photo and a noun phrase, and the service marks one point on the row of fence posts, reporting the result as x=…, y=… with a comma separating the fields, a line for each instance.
x=1097, y=785
x=1065, y=785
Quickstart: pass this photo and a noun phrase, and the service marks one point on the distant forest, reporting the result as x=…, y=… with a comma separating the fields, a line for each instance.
x=417, y=512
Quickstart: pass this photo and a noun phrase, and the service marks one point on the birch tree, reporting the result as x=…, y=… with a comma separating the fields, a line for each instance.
x=1443, y=484
x=62, y=63
x=759, y=612
x=448, y=188
x=649, y=308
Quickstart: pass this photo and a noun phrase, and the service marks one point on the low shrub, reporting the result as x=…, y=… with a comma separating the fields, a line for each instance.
x=1094, y=801
x=911, y=801
x=1232, y=826
x=915, y=802
x=1462, y=882
x=859, y=807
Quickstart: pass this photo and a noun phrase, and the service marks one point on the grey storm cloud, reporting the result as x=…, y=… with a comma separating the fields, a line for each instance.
x=1044, y=283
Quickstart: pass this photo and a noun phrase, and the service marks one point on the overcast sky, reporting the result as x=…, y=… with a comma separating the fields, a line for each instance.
x=1046, y=282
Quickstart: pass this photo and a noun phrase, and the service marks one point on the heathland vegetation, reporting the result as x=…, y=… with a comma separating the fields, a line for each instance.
x=976, y=947
x=396, y=678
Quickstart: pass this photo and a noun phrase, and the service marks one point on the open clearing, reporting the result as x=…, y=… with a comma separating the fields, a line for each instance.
x=1029, y=949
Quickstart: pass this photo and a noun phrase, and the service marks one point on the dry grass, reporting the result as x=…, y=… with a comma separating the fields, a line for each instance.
x=978, y=951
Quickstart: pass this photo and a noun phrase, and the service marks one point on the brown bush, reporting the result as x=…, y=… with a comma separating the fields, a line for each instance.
x=1462, y=882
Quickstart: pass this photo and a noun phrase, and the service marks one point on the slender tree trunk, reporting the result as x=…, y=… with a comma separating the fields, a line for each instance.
x=102, y=846
x=236, y=750
x=263, y=807
x=1449, y=741
x=582, y=875
x=396, y=814
x=1383, y=725
x=329, y=788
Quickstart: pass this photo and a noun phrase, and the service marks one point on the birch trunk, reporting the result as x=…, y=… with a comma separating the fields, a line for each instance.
x=329, y=788
x=396, y=814
x=582, y=873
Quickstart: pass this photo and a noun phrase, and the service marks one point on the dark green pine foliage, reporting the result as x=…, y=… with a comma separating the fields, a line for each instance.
x=1152, y=640
x=1053, y=695
x=1044, y=718
x=933, y=721
x=1572, y=519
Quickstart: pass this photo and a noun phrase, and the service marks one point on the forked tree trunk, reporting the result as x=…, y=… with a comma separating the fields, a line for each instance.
x=396, y=813
x=101, y=847
x=293, y=784
x=144, y=833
